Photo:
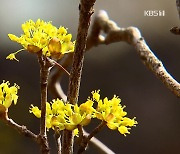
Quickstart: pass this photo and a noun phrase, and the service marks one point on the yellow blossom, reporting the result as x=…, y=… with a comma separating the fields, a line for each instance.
x=43, y=37
x=61, y=115
x=96, y=95
x=112, y=112
x=76, y=132
x=123, y=130
x=12, y=57
x=35, y=110
x=8, y=94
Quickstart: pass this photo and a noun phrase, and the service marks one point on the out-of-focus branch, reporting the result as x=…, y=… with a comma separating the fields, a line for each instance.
x=101, y=148
x=178, y=7
x=132, y=36
x=176, y=30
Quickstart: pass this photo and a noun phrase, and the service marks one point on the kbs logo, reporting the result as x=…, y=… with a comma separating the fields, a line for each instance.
x=154, y=13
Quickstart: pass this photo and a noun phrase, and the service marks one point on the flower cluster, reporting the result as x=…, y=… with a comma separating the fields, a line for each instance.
x=61, y=115
x=112, y=112
x=43, y=37
x=8, y=94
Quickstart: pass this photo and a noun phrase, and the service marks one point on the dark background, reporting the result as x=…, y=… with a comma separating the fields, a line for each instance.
x=115, y=69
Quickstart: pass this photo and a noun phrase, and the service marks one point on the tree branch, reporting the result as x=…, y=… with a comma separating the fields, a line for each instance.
x=44, y=72
x=101, y=148
x=21, y=129
x=85, y=140
x=57, y=137
x=178, y=7
x=85, y=12
x=132, y=36
x=176, y=30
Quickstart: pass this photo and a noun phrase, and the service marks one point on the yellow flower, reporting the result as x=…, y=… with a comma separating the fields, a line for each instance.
x=43, y=37
x=96, y=95
x=123, y=130
x=12, y=57
x=87, y=107
x=61, y=115
x=8, y=94
x=112, y=112
x=35, y=110
x=76, y=132
x=128, y=122
x=76, y=116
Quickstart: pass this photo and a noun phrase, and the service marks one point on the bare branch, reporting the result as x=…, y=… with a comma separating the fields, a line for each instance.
x=85, y=12
x=178, y=7
x=81, y=133
x=54, y=80
x=21, y=129
x=101, y=148
x=57, y=137
x=44, y=72
x=53, y=62
x=85, y=140
x=132, y=36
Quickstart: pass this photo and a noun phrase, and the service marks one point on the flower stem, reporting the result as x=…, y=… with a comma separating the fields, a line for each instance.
x=86, y=140
x=44, y=73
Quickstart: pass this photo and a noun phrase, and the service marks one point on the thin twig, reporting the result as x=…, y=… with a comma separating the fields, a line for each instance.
x=21, y=129
x=53, y=62
x=132, y=36
x=54, y=80
x=96, y=130
x=60, y=66
x=101, y=147
x=44, y=72
x=57, y=138
x=81, y=133
x=86, y=10
x=86, y=140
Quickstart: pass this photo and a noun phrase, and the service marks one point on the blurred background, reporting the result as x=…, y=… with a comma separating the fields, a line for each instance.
x=115, y=69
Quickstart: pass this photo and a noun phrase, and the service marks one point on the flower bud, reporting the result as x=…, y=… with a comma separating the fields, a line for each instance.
x=33, y=48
